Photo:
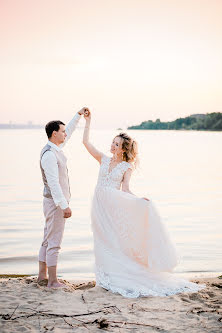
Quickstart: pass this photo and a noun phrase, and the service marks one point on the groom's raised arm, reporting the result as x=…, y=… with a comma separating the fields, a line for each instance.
x=71, y=127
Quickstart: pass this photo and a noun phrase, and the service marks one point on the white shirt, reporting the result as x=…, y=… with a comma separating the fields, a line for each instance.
x=50, y=166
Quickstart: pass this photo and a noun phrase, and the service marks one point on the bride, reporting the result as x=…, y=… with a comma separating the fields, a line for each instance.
x=133, y=252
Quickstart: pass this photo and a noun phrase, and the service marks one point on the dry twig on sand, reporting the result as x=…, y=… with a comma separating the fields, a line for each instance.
x=101, y=322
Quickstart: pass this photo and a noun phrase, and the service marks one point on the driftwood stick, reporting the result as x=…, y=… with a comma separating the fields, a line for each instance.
x=131, y=323
x=7, y=316
x=196, y=311
x=47, y=314
x=102, y=322
x=82, y=322
x=71, y=325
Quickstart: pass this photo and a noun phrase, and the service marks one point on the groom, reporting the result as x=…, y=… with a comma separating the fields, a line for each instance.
x=56, y=195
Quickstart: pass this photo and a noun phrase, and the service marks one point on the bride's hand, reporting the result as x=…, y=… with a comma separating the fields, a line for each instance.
x=146, y=199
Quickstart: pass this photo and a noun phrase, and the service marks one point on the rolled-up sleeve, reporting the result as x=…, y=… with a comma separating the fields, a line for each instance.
x=50, y=167
x=70, y=128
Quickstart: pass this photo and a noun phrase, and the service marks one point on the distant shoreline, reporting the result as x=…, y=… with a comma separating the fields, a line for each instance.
x=198, y=122
x=20, y=126
x=173, y=129
x=128, y=129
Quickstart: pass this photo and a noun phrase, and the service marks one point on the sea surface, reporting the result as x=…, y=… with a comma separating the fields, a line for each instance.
x=181, y=171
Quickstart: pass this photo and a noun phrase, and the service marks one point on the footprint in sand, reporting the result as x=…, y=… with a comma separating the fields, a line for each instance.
x=195, y=297
x=211, y=294
x=85, y=286
x=185, y=299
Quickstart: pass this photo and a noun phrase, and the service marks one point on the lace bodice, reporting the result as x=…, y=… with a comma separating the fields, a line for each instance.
x=113, y=178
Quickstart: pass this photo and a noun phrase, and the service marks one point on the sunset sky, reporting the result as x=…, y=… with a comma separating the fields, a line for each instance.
x=128, y=60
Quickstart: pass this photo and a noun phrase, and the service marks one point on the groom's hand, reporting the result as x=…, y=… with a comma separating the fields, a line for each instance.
x=83, y=111
x=67, y=213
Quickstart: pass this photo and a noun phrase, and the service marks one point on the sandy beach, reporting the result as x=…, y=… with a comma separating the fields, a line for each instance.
x=83, y=307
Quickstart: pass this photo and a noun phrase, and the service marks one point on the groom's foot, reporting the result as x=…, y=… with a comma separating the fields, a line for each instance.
x=41, y=278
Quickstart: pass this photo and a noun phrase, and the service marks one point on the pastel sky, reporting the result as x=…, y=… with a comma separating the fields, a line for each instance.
x=128, y=60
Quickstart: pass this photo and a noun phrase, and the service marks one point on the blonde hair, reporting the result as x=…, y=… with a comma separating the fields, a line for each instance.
x=130, y=149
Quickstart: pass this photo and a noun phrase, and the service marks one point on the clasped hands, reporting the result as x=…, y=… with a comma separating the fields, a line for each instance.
x=84, y=111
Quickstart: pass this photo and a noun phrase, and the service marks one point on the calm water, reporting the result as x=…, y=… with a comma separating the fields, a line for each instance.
x=180, y=171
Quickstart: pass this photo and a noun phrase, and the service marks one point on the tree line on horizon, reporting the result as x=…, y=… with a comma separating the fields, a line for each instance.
x=207, y=122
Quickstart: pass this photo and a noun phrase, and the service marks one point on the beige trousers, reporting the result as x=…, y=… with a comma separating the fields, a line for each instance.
x=53, y=233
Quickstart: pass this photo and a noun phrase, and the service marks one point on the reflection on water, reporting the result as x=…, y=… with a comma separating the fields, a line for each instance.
x=180, y=171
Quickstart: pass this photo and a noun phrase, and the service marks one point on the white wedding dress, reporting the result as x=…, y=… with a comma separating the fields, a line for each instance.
x=133, y=251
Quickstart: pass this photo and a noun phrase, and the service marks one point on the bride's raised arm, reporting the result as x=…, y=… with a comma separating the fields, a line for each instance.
x=91, y=149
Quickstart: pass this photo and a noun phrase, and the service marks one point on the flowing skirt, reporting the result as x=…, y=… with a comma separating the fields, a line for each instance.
x=133, y=251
